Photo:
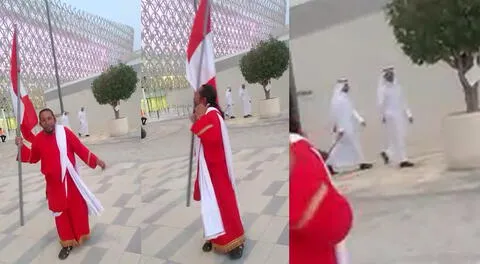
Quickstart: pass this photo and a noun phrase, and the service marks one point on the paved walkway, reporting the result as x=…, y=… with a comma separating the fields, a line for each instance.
x=143, y=192
x=423, y=215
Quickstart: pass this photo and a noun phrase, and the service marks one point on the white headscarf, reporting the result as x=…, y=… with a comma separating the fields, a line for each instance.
x=337, y=92
x=382, y=83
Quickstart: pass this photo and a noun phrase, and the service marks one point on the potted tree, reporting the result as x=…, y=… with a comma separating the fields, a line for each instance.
x=113, y=85
x=446, y=31
x=267, y=61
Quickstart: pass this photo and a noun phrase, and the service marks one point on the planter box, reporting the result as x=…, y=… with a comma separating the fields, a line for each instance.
x=118, y=127
x=461, y=134
x=269, y=108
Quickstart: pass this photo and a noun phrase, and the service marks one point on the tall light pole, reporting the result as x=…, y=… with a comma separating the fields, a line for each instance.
x=54, y=58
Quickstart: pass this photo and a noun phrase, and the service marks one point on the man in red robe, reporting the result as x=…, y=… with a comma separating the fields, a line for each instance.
x=320, y=217
x=65, y=198
x=215, y=182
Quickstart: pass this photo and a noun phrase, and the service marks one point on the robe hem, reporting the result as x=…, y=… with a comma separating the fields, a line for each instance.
x=230, y=246
x=74, y=242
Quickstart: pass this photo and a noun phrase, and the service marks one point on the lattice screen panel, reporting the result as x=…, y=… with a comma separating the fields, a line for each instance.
x=85, y=44
x=237, y=26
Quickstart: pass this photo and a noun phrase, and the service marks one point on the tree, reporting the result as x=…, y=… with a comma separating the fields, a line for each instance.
x=116, y=83
x=268, y=60
x=430, y=31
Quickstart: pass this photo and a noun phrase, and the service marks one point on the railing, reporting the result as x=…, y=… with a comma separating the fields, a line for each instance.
x=172, y=111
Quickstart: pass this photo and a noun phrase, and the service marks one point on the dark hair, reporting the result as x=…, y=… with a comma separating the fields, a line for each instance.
x=46, y=110
x=210, y=94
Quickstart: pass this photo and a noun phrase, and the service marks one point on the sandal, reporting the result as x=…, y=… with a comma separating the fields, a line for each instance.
x=207, y=247
x=64, y=252
x=236, y=253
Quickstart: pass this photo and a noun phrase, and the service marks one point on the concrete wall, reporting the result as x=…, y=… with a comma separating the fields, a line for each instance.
x=79, y=93
x=358, y=49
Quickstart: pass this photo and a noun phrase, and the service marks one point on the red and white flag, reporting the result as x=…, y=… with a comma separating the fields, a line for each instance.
x=28, y=116
x=199, y=65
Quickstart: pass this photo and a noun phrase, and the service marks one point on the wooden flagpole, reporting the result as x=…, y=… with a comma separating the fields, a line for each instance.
x=19, y=111
x=192, y=141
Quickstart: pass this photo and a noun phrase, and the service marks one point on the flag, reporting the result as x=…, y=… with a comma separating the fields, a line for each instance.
x=28, y=116
x=201, y=42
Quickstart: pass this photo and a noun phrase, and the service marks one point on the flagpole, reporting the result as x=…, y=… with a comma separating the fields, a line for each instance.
x=192, y=141
x=19, y=105
x=54, y=57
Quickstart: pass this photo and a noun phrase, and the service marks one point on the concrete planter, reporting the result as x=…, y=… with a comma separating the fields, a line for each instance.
x=269, y=108
x=461, y=136
x=118, y=127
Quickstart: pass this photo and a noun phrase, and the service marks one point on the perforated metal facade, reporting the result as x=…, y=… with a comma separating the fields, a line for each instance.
x=85, y=44
x=237, y=26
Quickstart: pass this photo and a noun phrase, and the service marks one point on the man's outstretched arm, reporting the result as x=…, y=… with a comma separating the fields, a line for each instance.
x=28, y=155
x=82, y=151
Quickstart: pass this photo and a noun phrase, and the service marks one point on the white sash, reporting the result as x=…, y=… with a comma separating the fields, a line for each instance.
x=94, y=206
x=340, y=248
x=212, y=220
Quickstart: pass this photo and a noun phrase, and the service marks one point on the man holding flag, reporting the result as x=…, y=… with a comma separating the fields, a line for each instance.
x=215, y=182
x=55, y=147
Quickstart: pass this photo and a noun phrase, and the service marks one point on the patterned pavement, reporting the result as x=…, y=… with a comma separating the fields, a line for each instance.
x=145, y=218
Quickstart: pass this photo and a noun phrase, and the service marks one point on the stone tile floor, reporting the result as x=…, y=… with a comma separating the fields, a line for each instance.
x=143, y=191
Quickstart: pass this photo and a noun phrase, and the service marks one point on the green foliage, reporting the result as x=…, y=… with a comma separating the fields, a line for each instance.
x=115, y=84
x=433, y=30
x=430, y=31
x=268, y=60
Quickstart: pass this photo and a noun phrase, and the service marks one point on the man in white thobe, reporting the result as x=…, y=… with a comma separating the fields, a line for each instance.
x=82, y=117
x=347, y=151
x=229, y=98
x=247, y=102
x=65, y=120
x=395, y=115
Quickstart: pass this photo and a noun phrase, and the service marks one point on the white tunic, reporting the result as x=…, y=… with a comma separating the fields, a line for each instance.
x=82, y=117
x=229, y=108
x=247, y=101
x=347, y=152
x=394, y=109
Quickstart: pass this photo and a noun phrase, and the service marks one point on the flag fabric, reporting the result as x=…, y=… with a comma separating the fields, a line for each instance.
x=199, y=65
x=28, y=116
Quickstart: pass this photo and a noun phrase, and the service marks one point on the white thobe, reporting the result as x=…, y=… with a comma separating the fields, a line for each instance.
x=394, y=109
x=65, y=121
x=229, y=108
x=247, y=101
x=347, y=152
x=82, y=117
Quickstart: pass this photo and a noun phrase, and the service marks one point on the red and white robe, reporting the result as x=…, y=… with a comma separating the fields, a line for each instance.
x=68, y=197
x=321, y=239
x=215, y=183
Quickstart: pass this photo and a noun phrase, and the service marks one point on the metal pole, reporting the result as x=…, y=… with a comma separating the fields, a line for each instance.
x=192, y=140
x=19, y=105
x=5, y=123
x=54, y=58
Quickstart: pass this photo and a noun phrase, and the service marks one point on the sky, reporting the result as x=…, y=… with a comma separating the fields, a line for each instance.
x=122, y=11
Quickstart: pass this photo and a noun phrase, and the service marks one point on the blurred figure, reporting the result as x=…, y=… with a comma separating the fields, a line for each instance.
x=247, y=101
x=2, y=135
x=395, y=115
x=229, y=108
x=82, y=117
x=347, y=151
x=65, y=120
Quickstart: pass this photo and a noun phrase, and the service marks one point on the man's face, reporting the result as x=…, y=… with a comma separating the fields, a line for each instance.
x=389, y=76
x=346, y=88
x=47, y=122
